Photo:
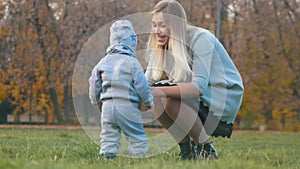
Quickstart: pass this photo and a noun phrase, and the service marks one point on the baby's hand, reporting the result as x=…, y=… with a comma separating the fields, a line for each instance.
x=143, y=107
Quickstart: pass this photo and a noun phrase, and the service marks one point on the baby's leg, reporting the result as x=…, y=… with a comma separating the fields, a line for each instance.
x=130, y=121
x=110, y=131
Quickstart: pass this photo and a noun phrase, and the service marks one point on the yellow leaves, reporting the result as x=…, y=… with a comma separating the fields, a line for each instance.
x=270, y=76
x=1, y=32
x=285, y=118
x=3, y=86
x=15, y=93
x=3, y=92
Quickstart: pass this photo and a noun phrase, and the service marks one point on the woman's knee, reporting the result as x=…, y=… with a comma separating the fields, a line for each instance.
x=172, y=105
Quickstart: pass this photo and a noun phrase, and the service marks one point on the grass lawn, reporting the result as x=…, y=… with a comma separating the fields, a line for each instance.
x=62, y=148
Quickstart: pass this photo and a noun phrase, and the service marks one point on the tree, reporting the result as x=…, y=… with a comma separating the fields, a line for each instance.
x=41, y=40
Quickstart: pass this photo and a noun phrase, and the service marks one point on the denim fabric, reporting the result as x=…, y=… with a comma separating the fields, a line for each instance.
x=122, y=116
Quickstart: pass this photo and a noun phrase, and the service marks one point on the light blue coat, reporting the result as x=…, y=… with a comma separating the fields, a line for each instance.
x=215, y=75
x=119, y=75
x=118, y=81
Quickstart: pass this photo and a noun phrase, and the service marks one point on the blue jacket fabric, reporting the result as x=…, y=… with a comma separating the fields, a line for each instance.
x=214, y=74
x=119, y=75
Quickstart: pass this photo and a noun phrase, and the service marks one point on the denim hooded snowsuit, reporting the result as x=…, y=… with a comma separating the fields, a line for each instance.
x=118, y=81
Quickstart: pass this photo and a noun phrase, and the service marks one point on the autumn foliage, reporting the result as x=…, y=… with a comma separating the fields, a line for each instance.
x=41, y=40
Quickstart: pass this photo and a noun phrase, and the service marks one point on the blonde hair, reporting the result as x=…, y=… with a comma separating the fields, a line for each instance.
x=174, y=56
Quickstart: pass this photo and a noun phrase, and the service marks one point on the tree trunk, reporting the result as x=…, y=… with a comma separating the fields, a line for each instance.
x=46, y=115
x=191, y=10
x=57, y=112
x=279, y=30
x=68, y=115
x=47, y=60
x=3, y=111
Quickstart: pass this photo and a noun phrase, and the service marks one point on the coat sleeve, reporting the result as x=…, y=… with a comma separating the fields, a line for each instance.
x=95, y=85
x=202, y=51
x=141, y=84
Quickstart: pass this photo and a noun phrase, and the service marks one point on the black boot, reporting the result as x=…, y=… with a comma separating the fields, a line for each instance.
x=203, y=151
x=185, y=151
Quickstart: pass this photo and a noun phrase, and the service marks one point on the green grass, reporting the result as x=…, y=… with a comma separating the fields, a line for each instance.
x=61, y=149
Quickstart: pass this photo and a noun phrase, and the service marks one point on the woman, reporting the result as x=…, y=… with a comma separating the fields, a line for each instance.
x=196, y=87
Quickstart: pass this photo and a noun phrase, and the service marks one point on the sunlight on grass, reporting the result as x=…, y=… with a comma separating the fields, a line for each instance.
x=54, y=148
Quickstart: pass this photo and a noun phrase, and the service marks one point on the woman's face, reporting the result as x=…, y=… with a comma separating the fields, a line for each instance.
x=160, y=29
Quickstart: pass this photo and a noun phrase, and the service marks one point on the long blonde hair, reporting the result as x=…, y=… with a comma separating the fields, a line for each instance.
x=173, y=59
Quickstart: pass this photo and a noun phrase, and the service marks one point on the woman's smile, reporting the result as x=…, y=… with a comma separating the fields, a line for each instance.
x=160, y=29
x=162, y=39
